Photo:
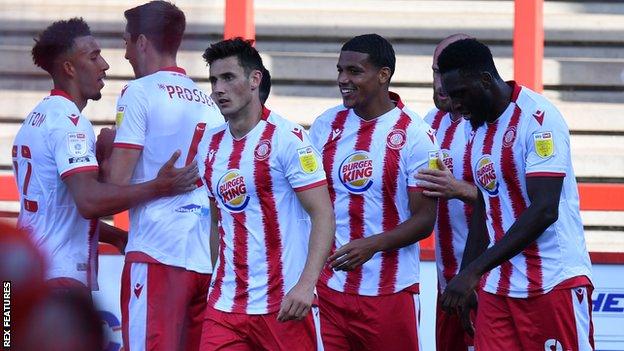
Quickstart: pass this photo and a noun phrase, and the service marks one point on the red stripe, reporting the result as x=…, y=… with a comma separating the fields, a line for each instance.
x=213, y=147
x=437, y=119
x=329, y=156
x=125, y=303
x=445, y=230
x=216, y=291
x=390, y=217
x=356, y=206
x=497, y=217
x=128, y=146
x=241, y=271
x=200, y=129
x=270, y=223
x=311, y=186
x=510, y=175
x=79, y=170
x=469, y=177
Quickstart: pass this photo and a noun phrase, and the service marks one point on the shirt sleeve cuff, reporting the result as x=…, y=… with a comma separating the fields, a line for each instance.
x=416, y=189
x=546, y=174
x=310, y=186
x=128, y=146
x=73, y=171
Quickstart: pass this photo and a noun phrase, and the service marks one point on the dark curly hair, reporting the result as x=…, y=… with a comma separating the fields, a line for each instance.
x=162, y=22
x=57, y=40
x=469, y=56
x=379, y=50
x=248, y=56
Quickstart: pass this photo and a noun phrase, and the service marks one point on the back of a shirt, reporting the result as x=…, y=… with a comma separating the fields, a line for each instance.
x=54, y=142
x=159, y=114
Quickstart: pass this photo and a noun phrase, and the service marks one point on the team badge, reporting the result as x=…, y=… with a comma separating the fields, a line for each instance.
x=232, y=191
x=262, y=150
x=396, y=139
x=307, y=159
x=433, y=160
x=486, y=175
x=120, y=115
x=544, y=144
x=356, y=172
x=509, y=137
x=77, y=144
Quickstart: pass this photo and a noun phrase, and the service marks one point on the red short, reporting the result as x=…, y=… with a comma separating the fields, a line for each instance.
x=450, y=335
x=356, y=322
x=244, y=332
x=559, y=320
x=162, y=307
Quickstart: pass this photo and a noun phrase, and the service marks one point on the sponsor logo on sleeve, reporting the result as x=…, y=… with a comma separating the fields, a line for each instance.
x=433, y=160
x=262, y=150
x=83, y=159
x=356, y=172
x=120, y=115
x=307, y=159
x=232, y=191
x=544, y=144
x=486, y=175
x=396, y=139
x=77, y=144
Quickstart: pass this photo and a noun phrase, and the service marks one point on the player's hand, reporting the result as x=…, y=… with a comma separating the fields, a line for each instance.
x=459, y=290
x=296, y=304
x=439, y=182
x=353, y=254
x=173, y=181
x=465, y=313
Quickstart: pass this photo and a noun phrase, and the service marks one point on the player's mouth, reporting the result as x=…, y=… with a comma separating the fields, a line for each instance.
x=347, y=92
x=223, y=101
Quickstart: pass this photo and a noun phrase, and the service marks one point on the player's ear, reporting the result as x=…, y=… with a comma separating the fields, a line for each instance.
x=255, y=77
x=384, y=75
x=486, y=79
x=141, y=42
x=67, y=67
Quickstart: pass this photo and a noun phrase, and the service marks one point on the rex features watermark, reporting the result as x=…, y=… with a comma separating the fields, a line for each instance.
x=6, y=314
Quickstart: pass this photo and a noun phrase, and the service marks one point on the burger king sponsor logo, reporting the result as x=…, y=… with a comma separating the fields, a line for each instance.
x=447, y=159
x=232, y=191
x=486, y=175
x=356, y=172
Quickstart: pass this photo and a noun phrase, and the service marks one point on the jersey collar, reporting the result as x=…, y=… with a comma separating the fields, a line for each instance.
x=396, y=98
x=174, y=69
x=516, y=90
x=265, y=113
x=59, y=92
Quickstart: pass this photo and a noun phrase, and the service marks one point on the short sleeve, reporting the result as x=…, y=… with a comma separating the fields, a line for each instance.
x=302, y=162
x=73, y=148
x=422, y=153
x=547, y=145
x=131, y=120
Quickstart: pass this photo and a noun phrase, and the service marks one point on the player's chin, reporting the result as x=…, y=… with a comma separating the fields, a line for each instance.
x=96, y=96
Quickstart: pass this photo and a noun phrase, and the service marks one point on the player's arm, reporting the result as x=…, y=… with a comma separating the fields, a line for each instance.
x=114, y=236
x=543, y=211
x=415, y=228
x=297, y=302
x=95, y=199
x=214, y=233
x=441, y=183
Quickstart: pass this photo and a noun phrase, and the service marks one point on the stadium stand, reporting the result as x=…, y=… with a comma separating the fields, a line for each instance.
x=583, y=70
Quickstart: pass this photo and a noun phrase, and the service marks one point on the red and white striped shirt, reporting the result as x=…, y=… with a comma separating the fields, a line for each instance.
x=371, y=167
x=263, y=229
x=451, y=229
x=530, y=139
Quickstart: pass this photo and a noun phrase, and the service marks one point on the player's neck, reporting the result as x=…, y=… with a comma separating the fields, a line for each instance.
x=156, y=62
x=73, y=92
x=502, y=98
x=245, y=119
x=375, y=107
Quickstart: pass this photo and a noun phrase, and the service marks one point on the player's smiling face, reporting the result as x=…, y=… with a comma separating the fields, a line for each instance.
x=90, y=67
x=232, y=88
x=359, y=80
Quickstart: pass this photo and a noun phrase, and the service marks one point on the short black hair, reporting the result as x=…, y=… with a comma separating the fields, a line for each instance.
x=265, y=86
x=56, y=40
x=162, y=22
x=379, y=50
x=469, y=56
x=248, y=57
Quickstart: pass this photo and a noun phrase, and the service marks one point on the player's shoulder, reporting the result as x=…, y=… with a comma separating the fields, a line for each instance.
x=416, y=123
x=282, y=124
x=330, y=114
x=211, y=131
x=538, y=108
x=431, y=115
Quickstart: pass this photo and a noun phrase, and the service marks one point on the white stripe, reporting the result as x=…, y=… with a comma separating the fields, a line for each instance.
x=317, y=328
x=582, y=319
x=416, y=298
x=137, y=307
